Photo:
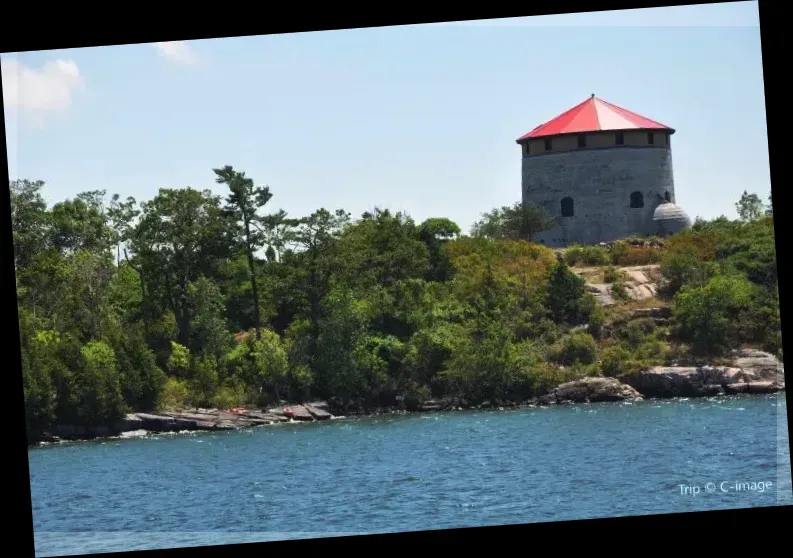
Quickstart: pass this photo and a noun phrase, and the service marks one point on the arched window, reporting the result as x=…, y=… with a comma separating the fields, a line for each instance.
x=637, y=200
x=667, y=197
x=567, y=207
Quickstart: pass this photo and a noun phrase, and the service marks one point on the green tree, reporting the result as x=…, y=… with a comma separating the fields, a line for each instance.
x=182, y=235
x=568, y=301
x=122, y=215
x=98, y=386
x=29, y=220
x=81, y=224
x=709, y=315
x=517, y=221
x=209, y=333
x=435, y=232
x=243, y=202
x=749, y=207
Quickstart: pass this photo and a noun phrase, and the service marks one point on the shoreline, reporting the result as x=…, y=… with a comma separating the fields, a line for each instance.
x=177, y=427
x=751, y=372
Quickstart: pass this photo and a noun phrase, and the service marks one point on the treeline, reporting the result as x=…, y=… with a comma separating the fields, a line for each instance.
x=192, y=299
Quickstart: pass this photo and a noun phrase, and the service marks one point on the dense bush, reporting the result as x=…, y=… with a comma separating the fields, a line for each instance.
x=612, y=274
x=623, y=254
x=577, y=347
x=587, y=255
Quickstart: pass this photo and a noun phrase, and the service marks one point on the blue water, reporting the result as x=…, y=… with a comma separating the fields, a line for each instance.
x=402, y=473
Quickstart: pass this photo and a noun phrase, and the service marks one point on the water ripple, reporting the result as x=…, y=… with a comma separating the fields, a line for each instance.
x=403, y=473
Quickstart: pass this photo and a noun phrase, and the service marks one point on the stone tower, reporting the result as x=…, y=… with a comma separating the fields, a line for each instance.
x=603, y=173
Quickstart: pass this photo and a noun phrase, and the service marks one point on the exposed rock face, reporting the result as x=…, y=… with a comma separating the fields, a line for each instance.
x=763, y=366
x=754, y=372
x=639, y=284
x=591, y=390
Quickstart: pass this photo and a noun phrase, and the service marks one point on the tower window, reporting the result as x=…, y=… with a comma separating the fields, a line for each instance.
x=548, y=144
x=667, y=197
x=568, y=209
x=650, y=138
x=620, y=138
x=637, y=200
x=581, y=140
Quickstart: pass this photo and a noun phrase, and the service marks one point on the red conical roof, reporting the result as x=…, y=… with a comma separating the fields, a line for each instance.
x=594, y=115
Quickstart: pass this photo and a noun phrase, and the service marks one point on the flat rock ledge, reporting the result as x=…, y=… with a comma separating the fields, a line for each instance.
x=590, y=390
x=752, y=372
x=194, y=420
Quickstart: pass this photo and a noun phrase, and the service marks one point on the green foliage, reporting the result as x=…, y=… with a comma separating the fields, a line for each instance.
x=709, y=315
x=578, y=347
x=587, y=255
x=619, y=290
x=612, y=274
x=749, y=207
x=97, y=392
x=617, y=361
x=624, y=254
x=685, y=267
x=231, y=396
x=174, y=394
x=517, y=221
x=567, y=300
x=188, y=299
x=204, y=381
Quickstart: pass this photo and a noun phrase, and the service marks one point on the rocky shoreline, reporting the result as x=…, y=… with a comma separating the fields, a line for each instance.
x=752, y=372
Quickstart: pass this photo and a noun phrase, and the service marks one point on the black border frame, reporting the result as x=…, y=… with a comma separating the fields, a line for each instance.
x=680, y=531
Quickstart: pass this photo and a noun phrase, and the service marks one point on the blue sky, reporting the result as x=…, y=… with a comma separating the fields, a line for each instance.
x=415, y=118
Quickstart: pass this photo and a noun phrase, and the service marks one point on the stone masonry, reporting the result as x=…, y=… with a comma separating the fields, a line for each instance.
x=600, y=181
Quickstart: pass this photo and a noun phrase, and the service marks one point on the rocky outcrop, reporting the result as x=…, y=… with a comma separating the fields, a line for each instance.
x=191, y=420
x=318, y=413
x=639, y=282
x=591, y=390
x=298, y=412
x=762, y=366
x=752, y=372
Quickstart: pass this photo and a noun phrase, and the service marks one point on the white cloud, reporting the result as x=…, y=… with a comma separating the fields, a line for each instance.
x=37, y=91
x=177, y=51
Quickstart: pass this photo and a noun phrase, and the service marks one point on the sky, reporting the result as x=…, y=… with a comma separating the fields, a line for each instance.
x=421, y=119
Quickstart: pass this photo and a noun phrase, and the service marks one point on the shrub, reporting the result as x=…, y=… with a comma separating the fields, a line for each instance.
x=614, y=361
x=624, y=255
x=619, y=291
x=681, y=268
x=567, y=298
x=416, y=396
x=635, y=333
x=586, y=255
x=612, y=274
x=577, y=347
x=707, y=316
x=174, y=394
x=230, y=395
x=204, y=381
x=619, y=361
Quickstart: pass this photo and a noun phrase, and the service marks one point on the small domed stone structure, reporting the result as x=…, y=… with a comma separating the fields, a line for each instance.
x=669, y=219
x=600, y=171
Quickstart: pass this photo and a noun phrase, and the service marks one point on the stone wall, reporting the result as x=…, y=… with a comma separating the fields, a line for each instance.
x=600, y=181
